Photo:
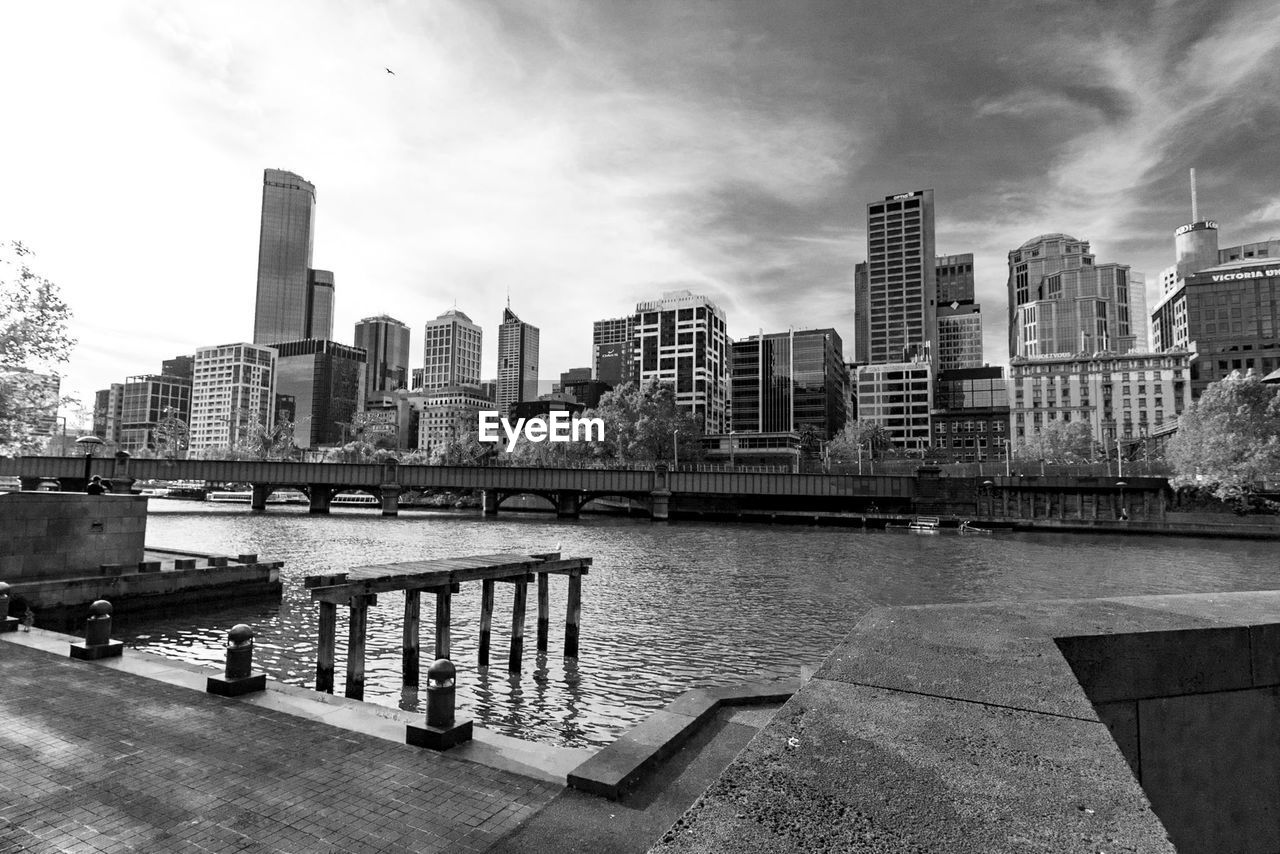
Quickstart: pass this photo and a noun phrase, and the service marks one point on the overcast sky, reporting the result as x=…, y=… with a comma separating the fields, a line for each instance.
x=585, y=155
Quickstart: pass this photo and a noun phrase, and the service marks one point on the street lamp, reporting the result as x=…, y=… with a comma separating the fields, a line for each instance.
x=88, y=442
x=988, y=486
x=733, y=448
x=675, y=447
x=1124, y=511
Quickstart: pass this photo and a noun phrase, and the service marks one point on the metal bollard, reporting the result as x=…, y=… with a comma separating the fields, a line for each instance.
x=442, y=679
x=442, y=730
x=238, y=677
x=7, y=623
x=97, y=641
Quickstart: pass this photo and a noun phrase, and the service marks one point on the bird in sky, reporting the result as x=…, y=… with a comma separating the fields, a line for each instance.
x=392, y=73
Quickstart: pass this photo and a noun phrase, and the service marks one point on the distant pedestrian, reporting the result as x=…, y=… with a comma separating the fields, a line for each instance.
x=28, y=619
x=95, y=486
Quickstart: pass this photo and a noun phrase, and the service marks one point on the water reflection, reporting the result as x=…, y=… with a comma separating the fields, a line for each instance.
x=665, y=607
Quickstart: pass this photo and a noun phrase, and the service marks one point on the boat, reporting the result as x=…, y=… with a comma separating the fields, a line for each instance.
x=354, y=499
x=236, y=497
x=926, y=524
x=968, y=527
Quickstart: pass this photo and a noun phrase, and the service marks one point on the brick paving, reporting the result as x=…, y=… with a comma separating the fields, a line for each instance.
x=96, y=760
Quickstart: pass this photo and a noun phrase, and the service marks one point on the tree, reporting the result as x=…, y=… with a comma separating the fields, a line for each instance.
x=1058, y=442
x=33, y=339
x=859, y=440
x=171, y=435
x=643, y=424
x=1229, y=440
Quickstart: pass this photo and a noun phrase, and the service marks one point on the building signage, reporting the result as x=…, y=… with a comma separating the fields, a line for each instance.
x=1196, y=226
x=1237, y=275
x=910, y=195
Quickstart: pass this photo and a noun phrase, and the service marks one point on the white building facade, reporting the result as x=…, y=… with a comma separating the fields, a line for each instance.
x=451, y=348
x=899, y=397
x=232, y=391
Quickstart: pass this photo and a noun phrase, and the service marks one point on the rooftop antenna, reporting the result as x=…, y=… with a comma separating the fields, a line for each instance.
x=1195, y=210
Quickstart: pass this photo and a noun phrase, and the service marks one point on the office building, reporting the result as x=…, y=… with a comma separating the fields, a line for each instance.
x=861, y=314
x=293, y=301
x=953, y=278
x=448, y=413
x=517, y=361
x=1121, y=396
x=108, y=411
x=789, y=382
x=146, y=401
x=900, y=318
x=899, y=397
x=959, y=336
x=1062, y=301
x=681, y=340
x=178, y=366
x=971, y=415
x=385, y=342
x=232, y=395
x=573, y=375
x=326, y=381
x=613, y=350
x=451, y=349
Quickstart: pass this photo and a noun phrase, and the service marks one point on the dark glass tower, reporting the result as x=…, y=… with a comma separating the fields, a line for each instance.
x=294, y=302
x=386, y=341
x=789, y=381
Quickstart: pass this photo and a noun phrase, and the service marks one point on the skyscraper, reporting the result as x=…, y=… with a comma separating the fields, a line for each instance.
x=451, y=348
x=385, y=341
x=293, y=302
x=612, y=346
x=1062, y=301
x=326, y=381
x=681, y=340
x=901, y=315
x=959, y=342
x=517, y=361
x=232, y=394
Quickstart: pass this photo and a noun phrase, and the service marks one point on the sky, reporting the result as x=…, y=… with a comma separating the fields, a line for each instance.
x=578, y=157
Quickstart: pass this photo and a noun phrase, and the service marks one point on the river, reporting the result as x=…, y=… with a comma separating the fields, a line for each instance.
x=666, y=607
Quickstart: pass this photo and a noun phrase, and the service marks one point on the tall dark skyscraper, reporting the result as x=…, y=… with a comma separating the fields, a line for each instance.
x=517, y=361
x=901, y=315
x=385, y=340
x=294, y=302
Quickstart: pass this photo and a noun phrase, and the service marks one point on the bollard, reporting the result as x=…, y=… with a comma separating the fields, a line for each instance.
x=7, y=623
x=442, y=730
x=97, y=641
x=239, y=677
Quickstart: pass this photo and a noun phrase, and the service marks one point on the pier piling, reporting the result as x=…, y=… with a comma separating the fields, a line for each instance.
x=544, y=611
x=409, y=656
x=486, y=620
x=515, y=660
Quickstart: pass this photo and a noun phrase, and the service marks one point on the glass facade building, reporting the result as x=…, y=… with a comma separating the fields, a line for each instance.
x=971, y=415
x=326, y=381
x=385, y=342
x=613, y=350
x=901, y=281
x=789, y=382
x=898, y=396
x=293, y=302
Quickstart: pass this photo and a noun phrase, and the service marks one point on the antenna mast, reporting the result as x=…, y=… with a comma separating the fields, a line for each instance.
x=1195, y=210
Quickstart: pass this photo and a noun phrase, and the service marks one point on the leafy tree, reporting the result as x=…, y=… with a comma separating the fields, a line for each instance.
x=171, y=435
x=870, y=436
x=33, y=338
x=1229, y=440
x=1058, y=442
x=643, y=424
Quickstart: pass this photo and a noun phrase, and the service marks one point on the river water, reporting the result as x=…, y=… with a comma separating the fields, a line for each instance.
x=666, y=607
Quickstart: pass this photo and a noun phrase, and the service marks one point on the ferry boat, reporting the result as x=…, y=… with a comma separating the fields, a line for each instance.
x=354, y=499
x=926, y=524
x=235, y=497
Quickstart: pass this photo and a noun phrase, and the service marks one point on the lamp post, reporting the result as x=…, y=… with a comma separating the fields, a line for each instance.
x=988, y=486
x=675, y=447
x=88, y=442
x=733, y=449
x=1124, y=510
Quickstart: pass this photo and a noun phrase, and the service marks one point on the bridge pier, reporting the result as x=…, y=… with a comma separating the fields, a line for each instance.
x=390, y=495
x=320, y=496
x=566, y=504
x=258, y=501
x=661, y=502
x=490, y=500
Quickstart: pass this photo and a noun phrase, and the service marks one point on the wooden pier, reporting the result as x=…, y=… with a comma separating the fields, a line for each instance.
x=358, y=589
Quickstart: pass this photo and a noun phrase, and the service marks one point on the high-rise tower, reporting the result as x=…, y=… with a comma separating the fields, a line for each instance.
x=385, y=340
x=901, y=317
x=451, y=347
x=294, y=301
x=517, y=361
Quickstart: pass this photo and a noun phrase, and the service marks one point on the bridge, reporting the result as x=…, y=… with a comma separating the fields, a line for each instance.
x=568, y=489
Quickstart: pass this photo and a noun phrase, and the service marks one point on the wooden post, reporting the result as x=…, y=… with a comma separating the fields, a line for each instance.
x=573, y=614
x=409, y=656
x=325, y=647
x=486, y=619
x=516, y=659
x=544, y=611
x=444, y=607
x=355, y=646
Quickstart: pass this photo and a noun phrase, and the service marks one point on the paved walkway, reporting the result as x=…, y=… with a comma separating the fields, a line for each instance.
x=98, y=760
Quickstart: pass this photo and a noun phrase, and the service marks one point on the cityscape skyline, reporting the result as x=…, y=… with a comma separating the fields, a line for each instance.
x=730, y=151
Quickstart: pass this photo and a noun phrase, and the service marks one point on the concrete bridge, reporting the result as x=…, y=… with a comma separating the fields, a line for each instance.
x=568, y=489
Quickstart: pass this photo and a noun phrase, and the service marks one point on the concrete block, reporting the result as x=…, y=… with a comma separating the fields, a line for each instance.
x=613, y=770
x=84, y=652
x=224, y=687
x=1211, y=767
x=217, y=561
x=1160, y=664
x=111, y=569
x=184, y=563
x=247, y=558
x=148, y=566
x=1264, y=644
x=438, y=738
x=755, y=693
x=662, y=732
x=697, y=704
